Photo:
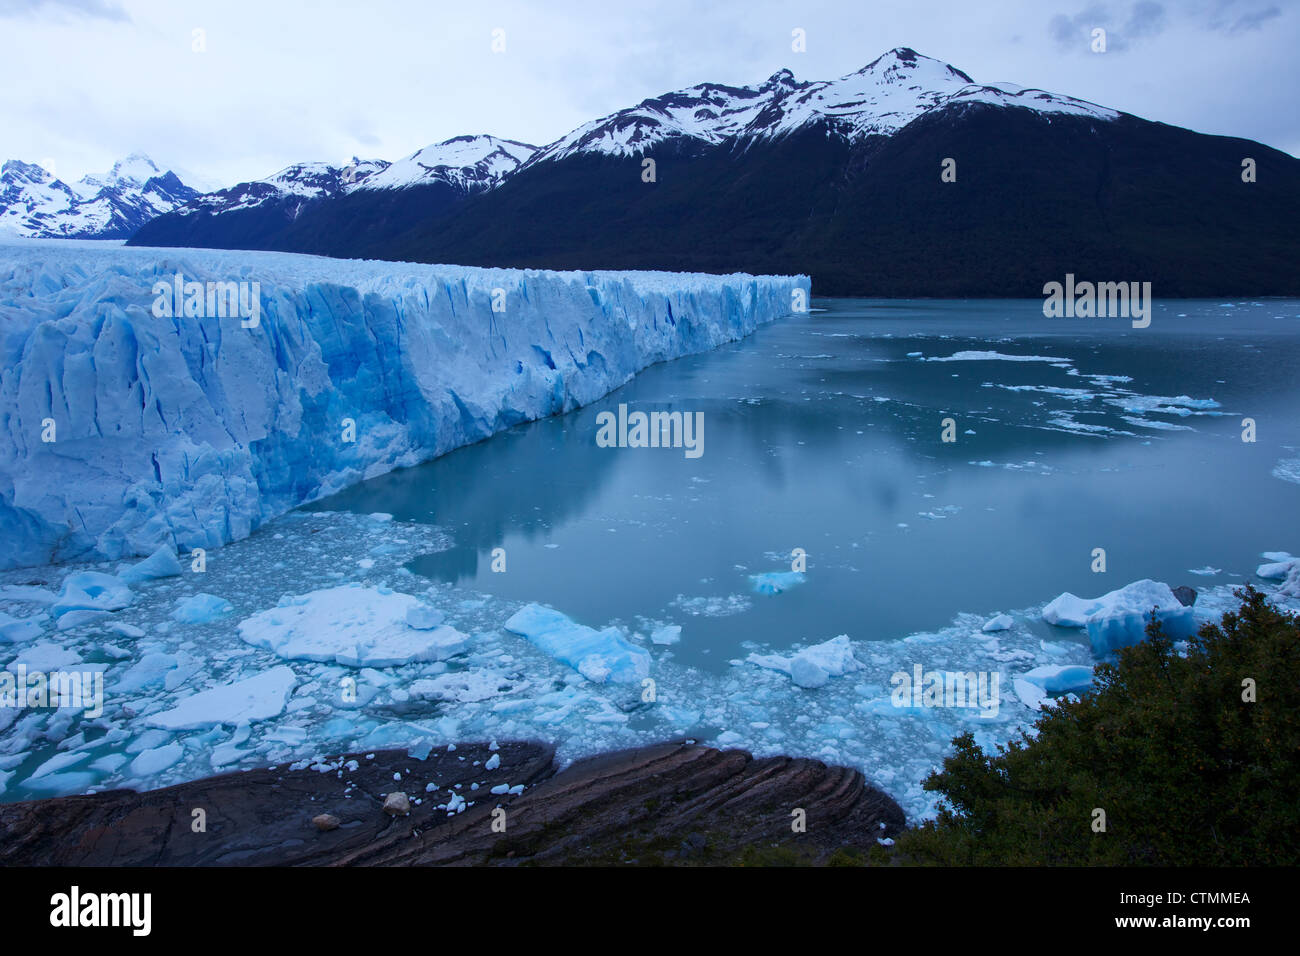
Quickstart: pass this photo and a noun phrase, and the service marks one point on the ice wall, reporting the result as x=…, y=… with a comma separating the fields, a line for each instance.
x=193, y=431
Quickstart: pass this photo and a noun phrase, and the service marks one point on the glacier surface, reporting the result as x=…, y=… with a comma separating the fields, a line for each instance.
x=191, y=432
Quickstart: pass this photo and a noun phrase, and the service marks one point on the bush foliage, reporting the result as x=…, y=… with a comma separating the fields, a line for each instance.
x=1188, y=770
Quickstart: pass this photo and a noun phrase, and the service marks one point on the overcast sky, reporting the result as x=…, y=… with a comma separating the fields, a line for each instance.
x=85, y=82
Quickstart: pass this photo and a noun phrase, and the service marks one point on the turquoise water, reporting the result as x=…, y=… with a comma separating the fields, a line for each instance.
x=822, y=432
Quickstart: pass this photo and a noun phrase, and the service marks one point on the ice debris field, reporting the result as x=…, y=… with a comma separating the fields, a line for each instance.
x=121, y=429
x=311, y=638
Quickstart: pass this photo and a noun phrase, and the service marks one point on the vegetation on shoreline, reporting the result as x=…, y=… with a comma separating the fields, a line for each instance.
x=1193, y=758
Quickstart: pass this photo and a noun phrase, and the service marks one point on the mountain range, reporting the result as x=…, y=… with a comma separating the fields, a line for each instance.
x=903, y=178
x=36, y=204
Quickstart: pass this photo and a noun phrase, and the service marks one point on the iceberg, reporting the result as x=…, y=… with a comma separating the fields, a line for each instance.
x=92, y=591
x=260, y=697
x=201, y=608
x=161, y=564
x=350, y=625
x=125, y=431
x=1119, y=618
x=815, y=665
x=1285, y=569
x=599, y=656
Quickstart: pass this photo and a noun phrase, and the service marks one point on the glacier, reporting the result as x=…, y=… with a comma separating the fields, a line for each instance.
x=192, y=432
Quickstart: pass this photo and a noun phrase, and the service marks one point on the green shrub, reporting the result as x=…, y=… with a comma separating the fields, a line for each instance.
x=1186, y=770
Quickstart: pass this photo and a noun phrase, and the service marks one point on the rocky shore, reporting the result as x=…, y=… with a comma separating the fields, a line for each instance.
x=672, y=803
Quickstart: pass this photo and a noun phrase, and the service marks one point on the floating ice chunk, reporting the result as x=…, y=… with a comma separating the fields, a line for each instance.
x=201, y=608
x=161, y=564
x=74, y=781
x=259, y=697
x=976, y=356
x=126, y=630
x=1287, y=571
x=45, y=657
x=108, y=763
x=1206, y=571
x=1068, y=611
x=15, y=629
x=92, y=591
x=1119, y=618
x=1278, y=569
x=1037, y=686
x=27, y=593
x=80, y=617
x=155, y=761
x=492, y=762
x=667, y=634
x=58, y=762
x=599, y=656
x=465, y=687
x=350, y=625
x=774, y=582
x=150, y=670
x=815, y=665
x=1002, y=622
x=713, y=606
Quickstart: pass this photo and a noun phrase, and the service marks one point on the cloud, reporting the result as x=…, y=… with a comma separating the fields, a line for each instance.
x=93, y=9
x=1146, y=20
x=1251, y=19
x=1075, y=32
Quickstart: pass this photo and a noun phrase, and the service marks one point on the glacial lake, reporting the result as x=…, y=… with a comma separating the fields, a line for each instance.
x=823, y=432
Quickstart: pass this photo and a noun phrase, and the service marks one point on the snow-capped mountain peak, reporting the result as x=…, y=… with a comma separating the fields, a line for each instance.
x=133, y=171
x=879, y=99
x=16, y=171
x=466, y=161
x=35, y=203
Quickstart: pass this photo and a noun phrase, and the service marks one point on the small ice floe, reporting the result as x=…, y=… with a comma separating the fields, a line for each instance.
x=1002, y=622
x=775, y=582
x=92, y=591
x=163, y=563
x=599, y=656
x=1038, y=686
x=16, y=629
x=813, y=666
x=1285, y=569
x=667, y=634
x=201, y=608
x=259, y=697
x=351, y=625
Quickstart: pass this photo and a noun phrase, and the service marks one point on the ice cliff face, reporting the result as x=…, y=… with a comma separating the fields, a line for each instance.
x=121, y=430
